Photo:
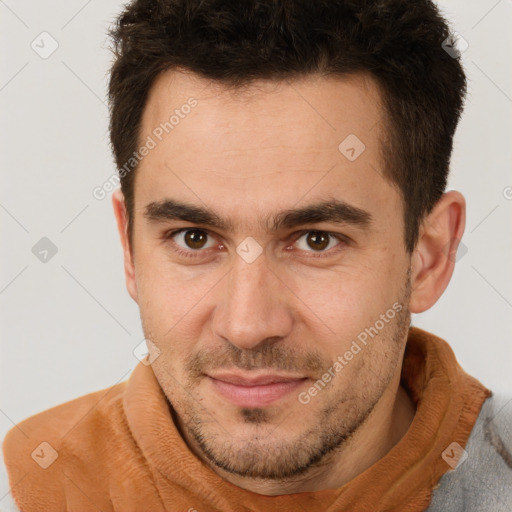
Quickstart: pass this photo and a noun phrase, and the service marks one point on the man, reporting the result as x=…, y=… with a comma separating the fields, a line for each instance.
x=282, y=212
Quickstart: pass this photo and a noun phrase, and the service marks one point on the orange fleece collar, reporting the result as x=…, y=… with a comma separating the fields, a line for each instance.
x=119, y=450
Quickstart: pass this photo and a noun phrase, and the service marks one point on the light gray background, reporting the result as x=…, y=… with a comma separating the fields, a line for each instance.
x=68, y=326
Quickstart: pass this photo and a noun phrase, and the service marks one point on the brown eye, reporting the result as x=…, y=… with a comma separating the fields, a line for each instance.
x=317, y=240
x=192, y=239
x=195, y=238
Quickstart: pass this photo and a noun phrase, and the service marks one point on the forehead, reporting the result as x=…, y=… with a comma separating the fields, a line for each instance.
x=315, y=109
x=264, y=142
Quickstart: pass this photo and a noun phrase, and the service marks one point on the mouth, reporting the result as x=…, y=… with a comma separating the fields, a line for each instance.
x=254, y=391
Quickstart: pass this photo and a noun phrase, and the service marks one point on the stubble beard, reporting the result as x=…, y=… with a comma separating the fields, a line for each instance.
x=268, y=451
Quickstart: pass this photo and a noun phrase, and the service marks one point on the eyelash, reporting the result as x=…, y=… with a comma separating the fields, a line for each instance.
x=343, y=240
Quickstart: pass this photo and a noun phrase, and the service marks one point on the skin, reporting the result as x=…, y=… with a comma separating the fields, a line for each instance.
x=247, y=156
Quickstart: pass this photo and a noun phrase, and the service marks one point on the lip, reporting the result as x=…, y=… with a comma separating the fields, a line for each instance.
x=254, y=391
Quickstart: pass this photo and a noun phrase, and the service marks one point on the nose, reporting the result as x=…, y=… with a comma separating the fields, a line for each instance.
x=253, y=307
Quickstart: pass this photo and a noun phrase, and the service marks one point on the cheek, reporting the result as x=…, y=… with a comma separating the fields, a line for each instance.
x=347, y=300
x=170, y=295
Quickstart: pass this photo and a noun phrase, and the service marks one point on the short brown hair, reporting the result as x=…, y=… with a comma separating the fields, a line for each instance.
x=235, y=42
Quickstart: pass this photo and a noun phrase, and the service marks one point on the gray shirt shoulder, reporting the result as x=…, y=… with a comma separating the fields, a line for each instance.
x=482, y=481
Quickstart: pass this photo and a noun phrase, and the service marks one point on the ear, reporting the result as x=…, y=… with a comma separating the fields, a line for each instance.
x=433, y=260
x=122, y=226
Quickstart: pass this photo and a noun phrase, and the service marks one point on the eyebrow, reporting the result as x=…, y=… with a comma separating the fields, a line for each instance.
x=331, y=211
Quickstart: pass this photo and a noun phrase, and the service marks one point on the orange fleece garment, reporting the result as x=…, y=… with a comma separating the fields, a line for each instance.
x=119, y=450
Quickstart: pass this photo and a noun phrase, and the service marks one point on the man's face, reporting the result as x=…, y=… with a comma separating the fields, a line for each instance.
x=246, y=326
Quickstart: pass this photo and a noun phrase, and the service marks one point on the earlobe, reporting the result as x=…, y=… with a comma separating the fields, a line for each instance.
x=122, y=227
x=433, y=260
